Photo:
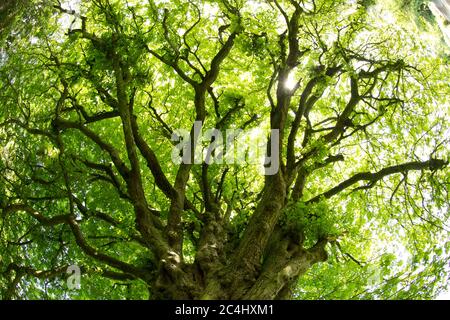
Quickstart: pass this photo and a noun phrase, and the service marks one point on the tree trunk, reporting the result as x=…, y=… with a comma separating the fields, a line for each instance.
x=268, y=270
x=276, y=280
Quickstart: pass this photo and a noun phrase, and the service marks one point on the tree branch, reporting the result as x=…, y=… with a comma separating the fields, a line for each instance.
x=372, y=178
x=79, y=237
x=114, y=154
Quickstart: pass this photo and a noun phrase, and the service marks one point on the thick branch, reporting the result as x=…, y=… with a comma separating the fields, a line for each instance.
x=114, y=154
x=79, y=237
x=94, y=253
x=372, y=178
x=46, y=221
x=152, y=162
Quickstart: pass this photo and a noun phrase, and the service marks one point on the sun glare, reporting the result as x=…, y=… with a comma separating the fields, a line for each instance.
x=290, y=81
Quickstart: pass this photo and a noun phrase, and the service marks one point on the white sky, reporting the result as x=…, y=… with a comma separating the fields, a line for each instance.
x=444, y=295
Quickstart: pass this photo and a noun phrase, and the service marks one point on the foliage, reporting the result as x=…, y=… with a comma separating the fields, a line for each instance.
x=91, y=92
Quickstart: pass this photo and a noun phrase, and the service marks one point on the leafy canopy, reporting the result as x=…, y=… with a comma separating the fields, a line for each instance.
x=364, y=147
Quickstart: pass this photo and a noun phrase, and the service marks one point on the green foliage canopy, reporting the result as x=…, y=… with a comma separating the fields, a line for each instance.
x=91, y=92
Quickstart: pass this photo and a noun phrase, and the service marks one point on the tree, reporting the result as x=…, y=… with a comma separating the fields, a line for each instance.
x=93, y=94
x=8, y=11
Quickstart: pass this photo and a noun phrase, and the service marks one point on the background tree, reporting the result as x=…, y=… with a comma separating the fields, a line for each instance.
x=91, y=92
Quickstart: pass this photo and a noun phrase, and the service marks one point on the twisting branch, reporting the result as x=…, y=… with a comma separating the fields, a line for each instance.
x=94, y=253
x=95, y=117
x=79, y=237
x=174, y=226
x=110, y=178
x=57, y=271
x=373, y=178
x=41, y=274
x=307, y=101
x=152, y=162
x=45, y=221
x=26, y=127
x=114, y=154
